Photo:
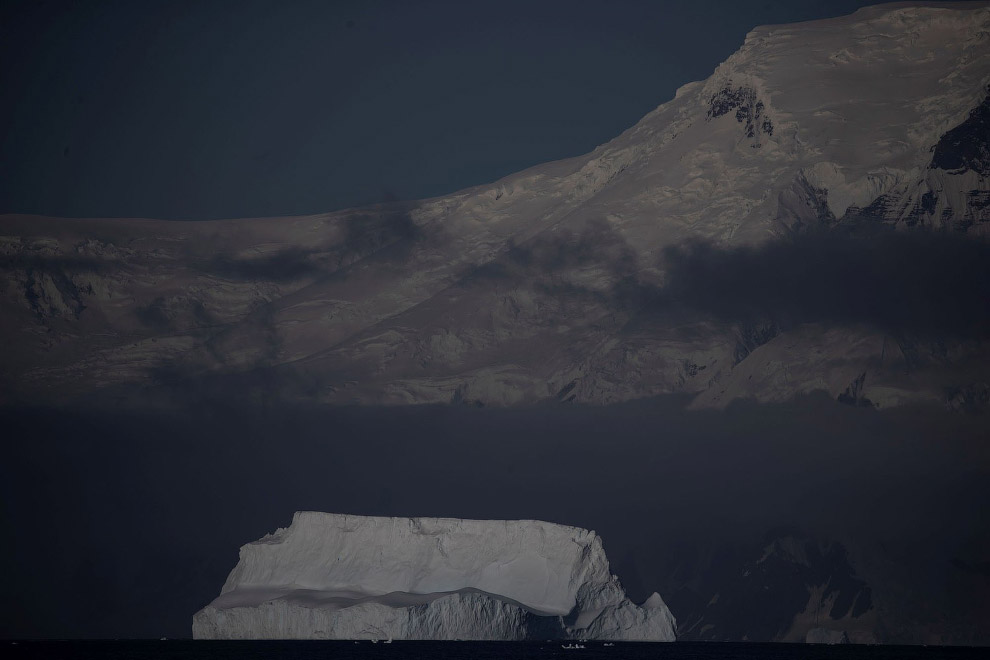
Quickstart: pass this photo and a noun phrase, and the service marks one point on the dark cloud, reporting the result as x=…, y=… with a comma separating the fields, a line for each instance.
x=286, y=265
x=174, y=314
x=364, y=234
x=913, y=281
x=967, y=146
x=154, y=315
x=595, y=244
x=548, y=262
x=917, y=285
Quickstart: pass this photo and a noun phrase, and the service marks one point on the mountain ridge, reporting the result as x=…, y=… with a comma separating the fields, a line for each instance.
x=552, y=283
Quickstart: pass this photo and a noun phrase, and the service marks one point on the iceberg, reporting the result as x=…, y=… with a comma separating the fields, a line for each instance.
x=335, y=576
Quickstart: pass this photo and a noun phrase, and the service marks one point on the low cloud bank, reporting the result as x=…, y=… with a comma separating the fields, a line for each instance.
x=917, y=282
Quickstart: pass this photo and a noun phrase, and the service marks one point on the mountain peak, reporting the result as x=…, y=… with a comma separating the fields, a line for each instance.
x=569, y=281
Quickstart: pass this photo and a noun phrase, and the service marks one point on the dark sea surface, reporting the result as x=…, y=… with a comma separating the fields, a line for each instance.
x=402, y=650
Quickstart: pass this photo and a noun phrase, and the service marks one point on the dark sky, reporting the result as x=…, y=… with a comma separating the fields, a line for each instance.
x=211, y=109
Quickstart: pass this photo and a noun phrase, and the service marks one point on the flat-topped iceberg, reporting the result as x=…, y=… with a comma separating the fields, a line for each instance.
x=333, y=576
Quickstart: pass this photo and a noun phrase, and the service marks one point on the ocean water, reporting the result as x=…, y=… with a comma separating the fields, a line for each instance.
x=416, y=650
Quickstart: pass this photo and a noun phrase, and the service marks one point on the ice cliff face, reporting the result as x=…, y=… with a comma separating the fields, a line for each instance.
x=331, y=576
x=540, y=286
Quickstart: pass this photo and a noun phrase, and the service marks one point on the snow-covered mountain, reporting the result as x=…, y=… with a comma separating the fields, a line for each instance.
x=332, y=576
x=559, y=282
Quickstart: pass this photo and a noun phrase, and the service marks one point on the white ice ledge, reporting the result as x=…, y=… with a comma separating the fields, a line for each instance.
x=333, y=576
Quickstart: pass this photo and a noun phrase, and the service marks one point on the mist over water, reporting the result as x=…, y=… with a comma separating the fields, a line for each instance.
x=124, y=524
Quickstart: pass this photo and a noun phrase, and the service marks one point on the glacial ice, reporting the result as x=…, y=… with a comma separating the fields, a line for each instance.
x=334, y=576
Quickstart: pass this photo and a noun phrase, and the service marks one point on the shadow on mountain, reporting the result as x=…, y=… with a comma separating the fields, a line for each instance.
x=363, y=234
x=911, y=281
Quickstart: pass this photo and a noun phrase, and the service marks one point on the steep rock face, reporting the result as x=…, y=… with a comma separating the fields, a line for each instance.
x=554, y=278
x=330, y=576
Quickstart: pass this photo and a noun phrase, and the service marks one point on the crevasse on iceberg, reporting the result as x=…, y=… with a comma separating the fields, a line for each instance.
x=333, y=576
